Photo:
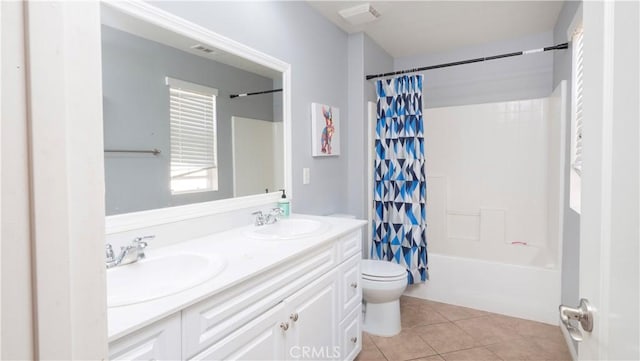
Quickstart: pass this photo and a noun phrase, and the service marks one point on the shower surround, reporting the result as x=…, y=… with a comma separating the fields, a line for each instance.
x=494, y=206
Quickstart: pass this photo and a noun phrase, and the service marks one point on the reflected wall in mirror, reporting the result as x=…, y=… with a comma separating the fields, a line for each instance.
x=164, y=91
x=256, y=143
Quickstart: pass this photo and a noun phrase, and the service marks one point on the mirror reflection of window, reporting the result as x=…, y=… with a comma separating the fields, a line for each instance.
x=192, y=118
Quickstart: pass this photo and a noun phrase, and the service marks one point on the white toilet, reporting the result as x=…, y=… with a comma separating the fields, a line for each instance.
x=382, y=285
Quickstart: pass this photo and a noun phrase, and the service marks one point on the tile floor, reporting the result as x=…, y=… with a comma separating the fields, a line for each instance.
x=437, y=331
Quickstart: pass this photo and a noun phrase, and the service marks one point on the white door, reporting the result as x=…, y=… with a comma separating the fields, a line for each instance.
x=609, y=235
x=257, y=156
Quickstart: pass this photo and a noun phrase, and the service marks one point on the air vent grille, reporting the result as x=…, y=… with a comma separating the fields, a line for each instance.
x=203, y=48
x=360, y=14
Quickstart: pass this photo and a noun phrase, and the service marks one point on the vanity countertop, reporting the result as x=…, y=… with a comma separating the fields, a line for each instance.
x=246, y=258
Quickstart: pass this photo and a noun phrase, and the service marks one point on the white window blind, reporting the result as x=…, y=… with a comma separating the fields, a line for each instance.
x=192, y=118
x=576, y=159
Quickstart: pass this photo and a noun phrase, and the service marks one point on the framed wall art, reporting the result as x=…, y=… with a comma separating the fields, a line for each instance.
x=325, y=130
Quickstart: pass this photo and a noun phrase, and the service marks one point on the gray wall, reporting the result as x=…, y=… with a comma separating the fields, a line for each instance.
x=356, y=174
x=136, y=116
x=522, y=77
x=571, y=230
x=317, y=51
x=365, y=56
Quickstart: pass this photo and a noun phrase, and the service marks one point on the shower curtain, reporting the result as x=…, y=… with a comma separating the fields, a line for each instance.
x=400, y=187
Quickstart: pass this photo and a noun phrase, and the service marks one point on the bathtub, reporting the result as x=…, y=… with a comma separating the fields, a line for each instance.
x=495, y=221
x=527, y=292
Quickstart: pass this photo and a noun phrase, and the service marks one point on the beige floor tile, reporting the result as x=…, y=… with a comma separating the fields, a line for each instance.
x=457, y=333
x=370, y=354
x=455, y=313
x=486, y=330
x=530, y=328
x=405, y=346
x=556, y=349
x=366, y=340
x=473, y=354
x=430, y=358
x=408, y=300
x=446, y=337
x=370, y=351
x=419, y=315
x=522, y=348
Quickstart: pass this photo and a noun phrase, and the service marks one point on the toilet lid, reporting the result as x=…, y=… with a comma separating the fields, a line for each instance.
x=381, y=269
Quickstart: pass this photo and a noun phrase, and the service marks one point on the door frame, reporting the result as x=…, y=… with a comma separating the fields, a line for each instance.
x=64, y=115
x=371, y=136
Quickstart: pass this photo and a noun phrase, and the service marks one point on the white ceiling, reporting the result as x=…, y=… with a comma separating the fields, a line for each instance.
x=422, y=27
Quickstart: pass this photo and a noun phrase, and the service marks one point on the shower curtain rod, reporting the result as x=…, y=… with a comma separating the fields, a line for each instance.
x=476, y=60
x=254, y=93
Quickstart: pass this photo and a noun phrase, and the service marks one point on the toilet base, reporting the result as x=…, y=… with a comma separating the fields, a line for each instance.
x=382, y=319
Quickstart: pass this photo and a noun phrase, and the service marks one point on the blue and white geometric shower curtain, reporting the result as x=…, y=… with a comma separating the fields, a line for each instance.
x=400, y=186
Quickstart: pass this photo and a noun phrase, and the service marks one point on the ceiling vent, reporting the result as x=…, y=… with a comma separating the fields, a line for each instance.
x=360, y=14
x=202, y=48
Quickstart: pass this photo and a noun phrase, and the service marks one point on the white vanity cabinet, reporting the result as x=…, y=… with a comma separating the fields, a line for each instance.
x=303, y=323
x=307, y=307
x=159, y=341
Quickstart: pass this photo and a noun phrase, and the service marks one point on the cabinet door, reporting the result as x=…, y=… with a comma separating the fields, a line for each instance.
x=350, y=287
x=351, y=339
x=260, y=339
x=160, y=341
x=313, y=321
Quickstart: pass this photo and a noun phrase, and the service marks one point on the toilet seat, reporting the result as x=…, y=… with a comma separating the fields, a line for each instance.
x=382, y=271
x=384, y=279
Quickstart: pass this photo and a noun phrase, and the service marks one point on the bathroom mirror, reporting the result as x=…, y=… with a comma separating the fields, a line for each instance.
x=174, y=134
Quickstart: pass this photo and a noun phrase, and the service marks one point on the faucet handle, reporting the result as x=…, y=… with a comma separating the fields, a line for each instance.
x=109, y=253
x=139, y=241
x=277, y=211
x=140, y=245
x=260, y=218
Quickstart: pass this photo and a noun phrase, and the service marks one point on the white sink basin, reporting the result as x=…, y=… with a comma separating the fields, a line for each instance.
x=159, y=277
x=287, y=229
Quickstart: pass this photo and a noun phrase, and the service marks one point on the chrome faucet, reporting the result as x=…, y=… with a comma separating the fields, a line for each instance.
x=130, y=253
x=274, y=215
x=260, y=218
x=269, y=218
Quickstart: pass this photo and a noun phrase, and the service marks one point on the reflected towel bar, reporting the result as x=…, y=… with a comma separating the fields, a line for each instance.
x=153, y=151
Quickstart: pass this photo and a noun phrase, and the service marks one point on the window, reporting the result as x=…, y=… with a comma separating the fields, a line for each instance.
x=192, y=118
x=576, y=119
x=576, y=142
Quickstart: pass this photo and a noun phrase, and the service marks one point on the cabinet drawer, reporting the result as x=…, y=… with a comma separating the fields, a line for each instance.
x=159, y=341
x=260, y=339
x=211, y=320
x=349, y=245
x=351, y=335
x=350, y=287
